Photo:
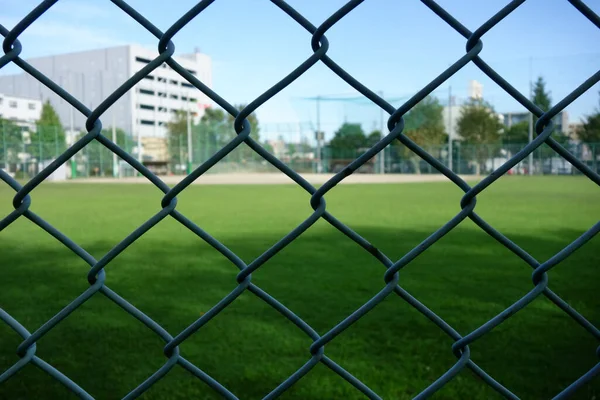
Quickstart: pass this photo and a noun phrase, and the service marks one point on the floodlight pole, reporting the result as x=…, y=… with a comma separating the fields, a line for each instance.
x=450, y=128
x=318, y=135
x=189, y=135
x=114, y=139
x=530, y=122
x=381, y=127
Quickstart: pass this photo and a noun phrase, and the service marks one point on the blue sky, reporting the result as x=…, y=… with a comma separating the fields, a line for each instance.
x=391, y=46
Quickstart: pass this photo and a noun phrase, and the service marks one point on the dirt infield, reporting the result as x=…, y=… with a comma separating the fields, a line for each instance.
x=275, y=178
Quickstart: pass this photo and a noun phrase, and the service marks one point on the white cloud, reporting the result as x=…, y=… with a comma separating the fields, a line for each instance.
x=50, y=36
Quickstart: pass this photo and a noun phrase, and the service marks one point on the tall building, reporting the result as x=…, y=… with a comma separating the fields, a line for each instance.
x=91, y=76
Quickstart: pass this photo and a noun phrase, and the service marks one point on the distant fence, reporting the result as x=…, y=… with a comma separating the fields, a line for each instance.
x=22, y=159
x=391, y=284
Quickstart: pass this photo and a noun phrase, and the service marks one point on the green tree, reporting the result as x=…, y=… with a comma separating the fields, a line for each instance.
x=347, y=140
x=11, y=142
x=218, y=125
x=224, y=132
x=589, y=132
x=479, y=125
x=99, y=159
x=291, y=149
x=177, y=138
x=516, y=134
x=373, y=138
x=214, y=131
x=48, y=141
x=541, y=97
x=424, y=125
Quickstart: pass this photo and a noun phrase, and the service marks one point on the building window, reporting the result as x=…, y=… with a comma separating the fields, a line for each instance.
x=162, y=94
x=146, y=107
x=174, y=96
x=149, y=77
x=193, y=100
x=31, y=106
x=174, y=82
x=191, y=72
x=142, y=60
x=184, y=98
x=185, y=84
x=146, y=91
x=12, y=104
x=146, y=122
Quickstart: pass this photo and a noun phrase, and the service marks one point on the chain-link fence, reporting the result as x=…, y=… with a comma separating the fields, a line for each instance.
x=391, y=283
x=21, y=159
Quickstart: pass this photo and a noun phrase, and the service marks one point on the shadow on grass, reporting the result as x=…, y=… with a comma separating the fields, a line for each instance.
x=466, y=278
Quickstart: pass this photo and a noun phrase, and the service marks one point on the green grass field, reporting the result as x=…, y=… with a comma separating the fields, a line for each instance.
x=174, y=277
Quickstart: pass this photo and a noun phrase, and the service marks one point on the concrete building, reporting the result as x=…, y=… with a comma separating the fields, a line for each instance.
x=93, y=75
x=451, y=115
x=573, y=129
x=451, y=112
x=561, y=121
x=22, y=111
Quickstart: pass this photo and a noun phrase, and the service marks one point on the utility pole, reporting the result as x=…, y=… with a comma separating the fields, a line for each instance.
x=450, y=128
x=189, y=136
x=114, y=139
x=318, y=135
x=72, y=129
x=381, y=127
x=530, y=169
x=137, y=126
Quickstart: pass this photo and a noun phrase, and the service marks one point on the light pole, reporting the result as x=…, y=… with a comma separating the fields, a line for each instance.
x=318, y=135
x=189, y=135
x=530, y=123
x=381, y=127
x=450, y=128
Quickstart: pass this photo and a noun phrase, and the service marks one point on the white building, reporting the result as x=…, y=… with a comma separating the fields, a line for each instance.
x=451, y=114
x=22, y=111
x=91, y=76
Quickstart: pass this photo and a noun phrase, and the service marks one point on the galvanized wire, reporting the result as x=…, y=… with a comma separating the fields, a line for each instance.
x=391, y=277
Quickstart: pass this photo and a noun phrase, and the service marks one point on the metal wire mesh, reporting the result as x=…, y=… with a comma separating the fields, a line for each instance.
x=97, y=276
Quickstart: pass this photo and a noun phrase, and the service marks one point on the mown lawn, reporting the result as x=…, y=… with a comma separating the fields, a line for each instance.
x=174, y=277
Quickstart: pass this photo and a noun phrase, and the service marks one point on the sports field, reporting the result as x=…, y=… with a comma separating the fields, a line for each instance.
x=174, y=277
